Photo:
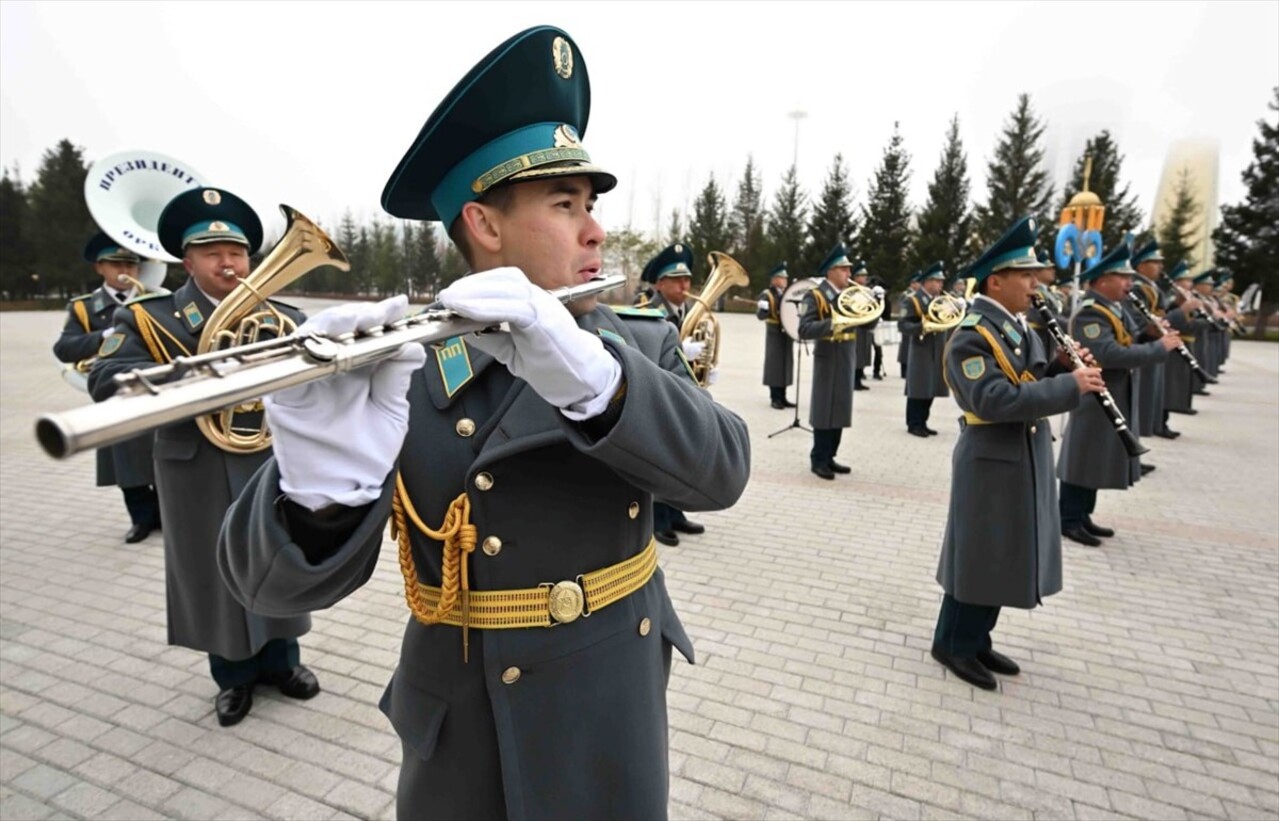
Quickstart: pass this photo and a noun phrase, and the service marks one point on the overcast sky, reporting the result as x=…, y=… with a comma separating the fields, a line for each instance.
x=313, y=103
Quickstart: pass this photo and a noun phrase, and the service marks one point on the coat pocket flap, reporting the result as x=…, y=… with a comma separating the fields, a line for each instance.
x=415, y=714
x=673, y=631
x=1001, y=443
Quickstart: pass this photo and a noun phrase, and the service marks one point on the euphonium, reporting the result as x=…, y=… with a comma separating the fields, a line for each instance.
x=946, y=310
x=241, y=317
x=700, y=323
x=855, y=305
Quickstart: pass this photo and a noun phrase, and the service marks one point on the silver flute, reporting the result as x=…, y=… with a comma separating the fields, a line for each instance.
x=192, y=386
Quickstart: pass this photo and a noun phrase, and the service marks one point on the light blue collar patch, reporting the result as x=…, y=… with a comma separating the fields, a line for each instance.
x=193, y=316
x=1011, y=332
x=455, y=364
x=612, y=336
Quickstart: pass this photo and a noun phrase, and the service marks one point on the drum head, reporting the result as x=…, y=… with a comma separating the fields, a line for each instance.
x=793, y=305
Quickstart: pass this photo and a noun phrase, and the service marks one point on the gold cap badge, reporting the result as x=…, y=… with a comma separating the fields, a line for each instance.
x=212, y=197
x=218, y=226
x=562, y=57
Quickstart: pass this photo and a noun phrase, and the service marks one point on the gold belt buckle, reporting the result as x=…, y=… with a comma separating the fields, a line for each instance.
x=566, y=601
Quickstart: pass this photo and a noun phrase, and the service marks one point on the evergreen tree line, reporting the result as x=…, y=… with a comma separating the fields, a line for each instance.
x=44, y=225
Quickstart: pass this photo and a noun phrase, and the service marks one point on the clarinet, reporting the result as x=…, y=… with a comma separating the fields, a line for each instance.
x=1126, y=436
x=1181, y=349
x=1171, y=287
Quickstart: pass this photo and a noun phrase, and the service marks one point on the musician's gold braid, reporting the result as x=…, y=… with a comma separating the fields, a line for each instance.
x=458, y=535
x=1001, y=360
x=82, y=314
x=150, y=331
x=1121, y=333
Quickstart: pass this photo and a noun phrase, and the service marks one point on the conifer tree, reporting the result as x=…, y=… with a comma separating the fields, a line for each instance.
x=1123, y=215
x=787, y=225
x=886, y=233
x=60, y=221
x=833, y=219
x=1176, y=234
x=675, y=228
x=1017, y=184
x=945, y=223
x=708, y=228
x=746, y=225
x=1248, y=237
x=15, y=249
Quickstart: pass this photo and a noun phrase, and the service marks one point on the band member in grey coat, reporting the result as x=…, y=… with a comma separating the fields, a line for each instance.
x=670, y=273
x=865, y=342
x=924, y=379
x=1180, y=382
x=1092, y=455
x=903, y=308
x=830, y=407
x=90, y=320
x=779, y=348
x=214, y=232
x=1002, y=546
x=1148, y=262
x=519, y=467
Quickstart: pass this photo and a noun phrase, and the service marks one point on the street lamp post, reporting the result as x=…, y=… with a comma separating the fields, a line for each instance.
x=796, y=115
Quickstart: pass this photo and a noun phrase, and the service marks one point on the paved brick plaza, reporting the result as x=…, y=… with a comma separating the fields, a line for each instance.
x=1150, y=685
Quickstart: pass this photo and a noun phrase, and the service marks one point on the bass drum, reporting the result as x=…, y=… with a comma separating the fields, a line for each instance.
x=793, y=304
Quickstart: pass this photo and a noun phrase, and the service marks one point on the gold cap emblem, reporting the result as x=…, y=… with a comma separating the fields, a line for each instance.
x=218, y=226
x=566, y=137
x=679, y=249
x=562, y=57
x=212, y=197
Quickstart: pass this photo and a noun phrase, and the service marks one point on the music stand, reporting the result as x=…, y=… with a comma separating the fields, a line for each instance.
x=799, y=381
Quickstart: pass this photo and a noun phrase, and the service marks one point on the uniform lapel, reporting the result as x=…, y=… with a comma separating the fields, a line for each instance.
x=103, y=301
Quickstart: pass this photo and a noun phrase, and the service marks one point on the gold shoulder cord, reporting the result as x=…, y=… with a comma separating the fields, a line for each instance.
x=151, y=330
x=458, y=535
x=82, y=314
x=1000, y=359
x=1121, y=333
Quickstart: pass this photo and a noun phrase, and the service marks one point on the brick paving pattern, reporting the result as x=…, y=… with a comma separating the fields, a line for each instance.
x=1150, y=685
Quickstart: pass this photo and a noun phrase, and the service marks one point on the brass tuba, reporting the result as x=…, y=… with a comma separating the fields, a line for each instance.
x=245, y=313
x=946, y=310
x=700, y=324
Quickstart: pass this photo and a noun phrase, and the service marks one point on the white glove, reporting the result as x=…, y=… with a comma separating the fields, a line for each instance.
x=336, y=439
x=712, y=377
x=763, y=305
x=107, y=332
x=567, y=366
x=693, y=348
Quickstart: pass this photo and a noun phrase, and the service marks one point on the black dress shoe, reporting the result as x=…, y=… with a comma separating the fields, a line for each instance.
x=838, y=468
x=296, y=683
x=1190, y=412
x=1167, y=433
x=929, y=431
x=1078, y=534
x=824, y=471
x=1096, y=529
x=918, y=431
x=667, y=537
x=789, y=404
x=970, y=670
x=997, y=662
x=1147, y=469
x=1202, y=393
x=137, y=533
x=233, y=704
x=779, y=404
x=861, y=386
x=879, y=377
x=688, y=526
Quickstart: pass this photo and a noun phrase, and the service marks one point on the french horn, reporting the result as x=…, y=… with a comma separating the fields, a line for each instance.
x=700, y=324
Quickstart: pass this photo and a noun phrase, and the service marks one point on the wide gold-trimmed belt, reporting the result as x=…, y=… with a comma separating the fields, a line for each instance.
x=550, y=603
x=971, y=418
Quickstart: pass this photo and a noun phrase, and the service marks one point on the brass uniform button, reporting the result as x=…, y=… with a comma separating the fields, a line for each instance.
x=633, y=510
x=1017, y=351
x=1034, y=429
x=492, y=546
x=465, y=428
x=645, y=626
x=510, y=675
x=484, y=481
